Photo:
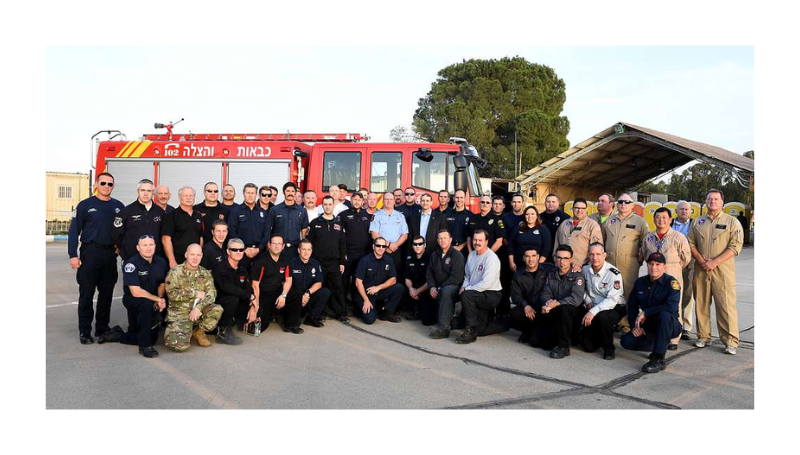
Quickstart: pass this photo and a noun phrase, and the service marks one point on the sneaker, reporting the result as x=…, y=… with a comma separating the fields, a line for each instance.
x=730, y=350
x=440, y=333
x=700, y=343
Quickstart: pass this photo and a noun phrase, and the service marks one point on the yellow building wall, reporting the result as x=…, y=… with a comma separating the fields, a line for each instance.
x=59, y=208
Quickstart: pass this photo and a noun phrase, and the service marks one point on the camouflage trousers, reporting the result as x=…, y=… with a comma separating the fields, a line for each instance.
x=178, y=334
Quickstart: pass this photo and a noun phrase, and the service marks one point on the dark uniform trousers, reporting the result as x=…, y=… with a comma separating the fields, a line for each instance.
x=98, y=270
x=659, y=329
x=600, y=334
x=519, y=321
x=397, y=258
x=348, y=283
x=428, y=308
x=316, y=304
x=332, y=280
x=478, y=309
x=557, y=328
x=291, y=309
x=232, y=308
x=388, y=299
x=448, y=296
x=143, y=322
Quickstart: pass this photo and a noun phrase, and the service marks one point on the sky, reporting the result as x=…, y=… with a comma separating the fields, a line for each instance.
x=704, y=94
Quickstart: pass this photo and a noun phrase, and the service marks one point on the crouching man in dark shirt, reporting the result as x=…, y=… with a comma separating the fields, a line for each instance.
x=234, y=293
x=653, y=309
x=376, y=281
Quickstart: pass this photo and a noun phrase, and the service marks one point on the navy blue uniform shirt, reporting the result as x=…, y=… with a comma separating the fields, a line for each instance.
x=652, y=297
x=458, y=224
x=92, y=222
x=288, y=221
x=304, y=274
x=408, y=210
x=250, y=225
x=373, y=271
x=520, y=239
x=134, y=221
x=147, y=275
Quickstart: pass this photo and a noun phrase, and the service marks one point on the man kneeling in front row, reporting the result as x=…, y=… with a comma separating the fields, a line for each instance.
x=191, y=311
x=653, y=305
x=376, y=281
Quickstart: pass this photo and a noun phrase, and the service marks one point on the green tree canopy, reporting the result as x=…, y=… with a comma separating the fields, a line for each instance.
x=693, y=184
x=487, y=101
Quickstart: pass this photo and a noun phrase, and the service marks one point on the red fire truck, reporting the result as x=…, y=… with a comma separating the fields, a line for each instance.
x=312, y=161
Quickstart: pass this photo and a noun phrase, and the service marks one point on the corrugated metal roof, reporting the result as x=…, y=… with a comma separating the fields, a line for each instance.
x=625, y=155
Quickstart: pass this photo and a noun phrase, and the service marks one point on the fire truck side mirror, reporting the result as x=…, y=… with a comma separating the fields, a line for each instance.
x=298, y=152
x=460, y=176
x=424, y=154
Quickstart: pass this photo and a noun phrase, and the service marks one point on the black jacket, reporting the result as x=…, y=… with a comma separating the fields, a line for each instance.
x=437, y=222
x=527, y=287
x=447, y=270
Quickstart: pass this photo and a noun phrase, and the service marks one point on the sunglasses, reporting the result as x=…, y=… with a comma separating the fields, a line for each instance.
x=624, y=202
x=485, y=203
x=146, y=236
x=418, y=244
x=237, y=250
x=110, y=184
x=562, y=258
x=381, y=246
x=578, y=208
x=266, y=194
x=410, y=194
x=212, y=191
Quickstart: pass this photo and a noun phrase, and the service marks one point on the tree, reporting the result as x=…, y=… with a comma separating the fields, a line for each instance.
x=487, y=102
x=402, y=134
x=693, y=184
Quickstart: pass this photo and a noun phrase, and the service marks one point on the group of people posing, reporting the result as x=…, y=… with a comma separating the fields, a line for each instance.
x=560, y=280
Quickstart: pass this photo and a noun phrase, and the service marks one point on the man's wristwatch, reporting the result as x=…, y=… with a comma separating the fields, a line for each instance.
x=283, y=296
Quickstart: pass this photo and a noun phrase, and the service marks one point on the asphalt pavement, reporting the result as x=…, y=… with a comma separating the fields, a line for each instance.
x=383, y=366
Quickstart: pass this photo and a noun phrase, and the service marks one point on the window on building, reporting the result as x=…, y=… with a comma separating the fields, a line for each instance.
x=430, y=176
x=64, y=191
x=342, y=167
x=386, y=171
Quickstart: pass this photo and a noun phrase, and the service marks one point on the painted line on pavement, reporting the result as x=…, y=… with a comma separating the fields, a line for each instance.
x=56, y=305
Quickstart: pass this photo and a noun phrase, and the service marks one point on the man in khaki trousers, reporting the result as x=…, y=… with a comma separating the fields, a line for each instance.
x=715, y=238
x=624, y=233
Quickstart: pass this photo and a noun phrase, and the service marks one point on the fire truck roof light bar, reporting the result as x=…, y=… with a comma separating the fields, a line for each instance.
x=337, y=137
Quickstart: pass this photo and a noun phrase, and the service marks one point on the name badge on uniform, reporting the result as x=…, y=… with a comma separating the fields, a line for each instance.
x=721, y=226
x=630, y=226
x=577, y=229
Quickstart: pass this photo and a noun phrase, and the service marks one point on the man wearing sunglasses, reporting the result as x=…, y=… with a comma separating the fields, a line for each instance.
x=486, y=221
x=624, y=233
x=96, y=266
x=409, y=207
x=250, y=223
x=141, y=217
x=579, y=232
x=211, y=210
x=143, y=278
x=234, y=292
x=418, y=301
x=265, y=198
x=376, y=281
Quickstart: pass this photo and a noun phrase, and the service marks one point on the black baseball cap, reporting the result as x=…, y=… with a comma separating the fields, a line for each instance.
x=658, y=257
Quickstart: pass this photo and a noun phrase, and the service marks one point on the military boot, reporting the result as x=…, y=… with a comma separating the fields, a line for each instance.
x=225, y=336
x=200, y=335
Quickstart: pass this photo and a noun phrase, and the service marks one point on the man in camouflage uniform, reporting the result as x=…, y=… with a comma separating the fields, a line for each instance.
x=191, y=311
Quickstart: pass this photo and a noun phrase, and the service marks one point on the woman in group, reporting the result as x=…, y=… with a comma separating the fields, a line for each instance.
x=675, y=248
x=529, y=233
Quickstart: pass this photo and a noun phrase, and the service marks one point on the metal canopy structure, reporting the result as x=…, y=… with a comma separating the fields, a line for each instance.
x=625, y=155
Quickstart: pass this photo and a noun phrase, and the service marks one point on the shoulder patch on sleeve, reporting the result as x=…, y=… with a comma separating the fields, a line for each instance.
x=130, y=268
x=117, y=221
x=675, y=285
x=614, y=271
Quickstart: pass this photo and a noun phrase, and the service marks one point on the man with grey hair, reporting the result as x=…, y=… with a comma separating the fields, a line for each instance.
x=683, y=223
x=181, y=228
x=162, y=197
x=235, y=293
x=139, y=218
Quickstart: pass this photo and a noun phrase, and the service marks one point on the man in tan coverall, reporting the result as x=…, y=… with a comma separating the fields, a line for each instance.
x=715, y=238
x=624, y=233
x=578, y=233
x=605, y=207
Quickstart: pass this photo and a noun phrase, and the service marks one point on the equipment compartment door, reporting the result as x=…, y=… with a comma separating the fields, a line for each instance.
x=272, y=172
x=177, y=174
x=127, y=174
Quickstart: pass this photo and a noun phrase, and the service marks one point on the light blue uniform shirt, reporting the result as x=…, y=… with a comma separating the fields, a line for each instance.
x=423, y=223
x=390, y=227
x=683, y=228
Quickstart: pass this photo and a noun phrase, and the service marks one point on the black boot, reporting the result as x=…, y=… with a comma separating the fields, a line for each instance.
x=225, y=335
x=111, y=336
x=469, y=335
